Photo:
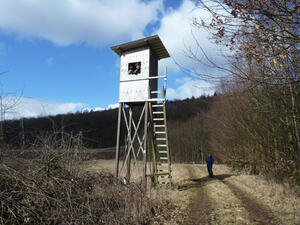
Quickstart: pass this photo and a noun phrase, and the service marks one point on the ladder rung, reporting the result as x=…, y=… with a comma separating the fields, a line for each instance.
x=160, y=132
x=159, y=125
x=158, y=105
x=159, y=112
x=164, y=169
x=155, y=92
x=162, y=152
x=161, y=145
x=162, y=164
x=158, y=119
x=163, y=177
x=164, y=158
x=162, y=174
x=160, y=129
x=156, y=100
x=161, y=139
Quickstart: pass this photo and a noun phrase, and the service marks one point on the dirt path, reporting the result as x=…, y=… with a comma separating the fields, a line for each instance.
x=258, y=213
x=204, y=207
x=200, y=207
x=227, y=199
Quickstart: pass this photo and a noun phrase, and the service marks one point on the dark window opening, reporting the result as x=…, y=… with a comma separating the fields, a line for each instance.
x=134, y=68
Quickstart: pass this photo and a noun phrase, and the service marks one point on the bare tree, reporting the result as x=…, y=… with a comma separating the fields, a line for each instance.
x=8, y=104
x=260, y=120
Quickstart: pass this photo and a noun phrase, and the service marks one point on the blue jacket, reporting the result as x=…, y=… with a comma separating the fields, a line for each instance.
x=209, y=161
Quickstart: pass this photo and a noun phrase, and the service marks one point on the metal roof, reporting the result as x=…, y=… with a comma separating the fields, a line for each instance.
x=153, y=42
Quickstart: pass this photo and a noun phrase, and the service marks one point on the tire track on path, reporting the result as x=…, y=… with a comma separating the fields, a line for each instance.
x=258, y=213
x=200, y=205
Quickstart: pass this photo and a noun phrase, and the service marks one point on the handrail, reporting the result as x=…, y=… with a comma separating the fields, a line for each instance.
x=165, y=83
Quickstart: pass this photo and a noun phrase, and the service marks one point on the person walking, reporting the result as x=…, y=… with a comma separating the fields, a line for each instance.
x=209, y=163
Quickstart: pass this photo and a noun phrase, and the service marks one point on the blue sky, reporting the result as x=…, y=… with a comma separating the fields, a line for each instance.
x=58, y=57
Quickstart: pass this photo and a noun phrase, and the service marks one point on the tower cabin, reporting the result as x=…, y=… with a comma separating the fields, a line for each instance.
x=139, y=69
x=138, y=86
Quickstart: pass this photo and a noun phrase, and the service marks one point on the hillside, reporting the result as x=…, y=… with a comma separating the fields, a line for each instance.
x=98, y=129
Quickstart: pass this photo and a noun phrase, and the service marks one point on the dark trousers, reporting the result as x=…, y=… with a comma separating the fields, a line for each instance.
x=210, y=172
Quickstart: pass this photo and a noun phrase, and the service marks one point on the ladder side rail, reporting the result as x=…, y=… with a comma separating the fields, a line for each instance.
x=167, y=143
x=165, y=83
x=153, y=145
x=166, y=126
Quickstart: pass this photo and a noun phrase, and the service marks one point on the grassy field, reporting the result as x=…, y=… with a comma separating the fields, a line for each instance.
x=70, y=187
x=229, y=198
x=49, y=186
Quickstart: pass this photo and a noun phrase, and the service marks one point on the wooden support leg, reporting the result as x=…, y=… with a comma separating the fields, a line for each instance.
x=128, y=172
x=118, y=140
x=145, y=146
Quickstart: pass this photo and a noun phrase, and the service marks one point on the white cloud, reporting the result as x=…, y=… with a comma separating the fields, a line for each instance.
x=19, y=107
x=190, y=88
x=33, y=107
x=87, y=109
x=177, y=34
x=23, y=107
x=113, y=106
x=99, y=109
x=68, y=22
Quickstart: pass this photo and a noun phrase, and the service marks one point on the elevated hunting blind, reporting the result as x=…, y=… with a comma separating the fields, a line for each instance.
x=146, y=150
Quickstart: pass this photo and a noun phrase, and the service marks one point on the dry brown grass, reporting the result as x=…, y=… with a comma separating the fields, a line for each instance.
x=176, y=200
x=48, y=186
x=227, y=208
x=280, y=199
x=47, y=190
x=99, y=165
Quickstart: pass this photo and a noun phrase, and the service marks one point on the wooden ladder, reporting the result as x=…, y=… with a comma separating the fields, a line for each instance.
x=162, y=161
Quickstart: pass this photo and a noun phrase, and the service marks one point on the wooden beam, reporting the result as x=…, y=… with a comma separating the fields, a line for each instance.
x=128, y=172
x=145, y=146
x=118, y=140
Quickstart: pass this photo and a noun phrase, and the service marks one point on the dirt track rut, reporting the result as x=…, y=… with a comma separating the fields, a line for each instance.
x=219, y=201
x=200, y=207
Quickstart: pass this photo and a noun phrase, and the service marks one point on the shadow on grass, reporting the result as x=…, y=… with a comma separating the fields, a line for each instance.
x=199, y=182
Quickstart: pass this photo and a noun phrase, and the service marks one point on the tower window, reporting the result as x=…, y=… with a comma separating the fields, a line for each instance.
x=134, y=68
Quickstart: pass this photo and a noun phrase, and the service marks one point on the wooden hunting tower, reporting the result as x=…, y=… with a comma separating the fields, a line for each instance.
x=146, y=151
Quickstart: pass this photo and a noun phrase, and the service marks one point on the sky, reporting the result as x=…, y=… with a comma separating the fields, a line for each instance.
x=55, y=55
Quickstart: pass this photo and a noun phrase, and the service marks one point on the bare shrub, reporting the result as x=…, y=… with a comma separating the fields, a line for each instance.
x=50, y=188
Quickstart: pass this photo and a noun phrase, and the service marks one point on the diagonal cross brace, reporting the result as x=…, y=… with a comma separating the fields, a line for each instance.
x=130, y=148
